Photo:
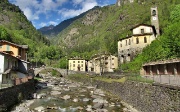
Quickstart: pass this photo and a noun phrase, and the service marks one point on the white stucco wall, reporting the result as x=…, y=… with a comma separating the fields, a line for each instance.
x=1, y=67
x=146, y=29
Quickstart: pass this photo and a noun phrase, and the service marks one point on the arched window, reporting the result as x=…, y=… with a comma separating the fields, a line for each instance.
x=137, y=40
x=145, y=40
x=154, y=12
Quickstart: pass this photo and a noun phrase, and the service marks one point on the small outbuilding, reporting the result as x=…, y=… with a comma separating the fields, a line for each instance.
x=167, y=67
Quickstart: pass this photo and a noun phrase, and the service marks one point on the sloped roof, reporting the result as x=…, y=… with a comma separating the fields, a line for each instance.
x=22, y=46
x=162, y=62
x=141, y=25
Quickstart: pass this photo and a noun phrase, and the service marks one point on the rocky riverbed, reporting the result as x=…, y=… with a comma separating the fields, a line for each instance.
x=62, y=95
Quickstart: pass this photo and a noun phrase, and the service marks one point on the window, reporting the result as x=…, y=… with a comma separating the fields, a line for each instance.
x=0, y=46
x=8, y=48
x=121, y=45
x=81, y=61
x=137, y=40
x=78, y=61
x=73, y=65
x=73, y=61
x=145, y=40
x=81, y=65
x=129, y=42
x=142, y=31
x=153, y=12
x=126, y=42
x=112, y=58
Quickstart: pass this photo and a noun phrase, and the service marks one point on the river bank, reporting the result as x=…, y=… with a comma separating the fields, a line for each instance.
x=62, y=95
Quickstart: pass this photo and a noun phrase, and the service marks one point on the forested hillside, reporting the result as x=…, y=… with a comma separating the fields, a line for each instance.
x=167, y=46
x=100, y=29
x=15, y=27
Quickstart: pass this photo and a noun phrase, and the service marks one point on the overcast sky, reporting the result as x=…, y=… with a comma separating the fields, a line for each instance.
x=46, y=12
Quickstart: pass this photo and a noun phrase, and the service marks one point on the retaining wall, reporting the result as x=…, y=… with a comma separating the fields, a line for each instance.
x=13, y=95
x=142, y=96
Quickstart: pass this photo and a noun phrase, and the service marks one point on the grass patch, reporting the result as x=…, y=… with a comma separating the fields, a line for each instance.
x=100, y=78
x=109, y=80
x=138, y=78
x=38, y=78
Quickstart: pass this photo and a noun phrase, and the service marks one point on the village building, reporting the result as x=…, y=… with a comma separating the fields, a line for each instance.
x=15, y=50
x=103, y=63
x=77, y=64
x=130, y=46
x=13, y=64
x=166, y=67
x=142, y=35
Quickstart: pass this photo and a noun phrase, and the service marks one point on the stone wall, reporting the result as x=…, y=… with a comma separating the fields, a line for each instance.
x=144, y=97
x=13, y=95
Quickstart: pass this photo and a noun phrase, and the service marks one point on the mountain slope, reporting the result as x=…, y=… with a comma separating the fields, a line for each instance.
x=100, y=29
x=15, y=27
x=53, y=31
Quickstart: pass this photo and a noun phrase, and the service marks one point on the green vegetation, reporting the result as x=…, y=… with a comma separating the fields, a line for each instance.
x=139, y=78
x=110, y=80
x=16, y=28
x=82, y=77
x=54, y=72
x=111, y=23
x=167, y=46
x=99, y=32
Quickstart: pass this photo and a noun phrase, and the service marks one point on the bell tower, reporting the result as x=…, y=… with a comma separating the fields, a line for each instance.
x=155, y=19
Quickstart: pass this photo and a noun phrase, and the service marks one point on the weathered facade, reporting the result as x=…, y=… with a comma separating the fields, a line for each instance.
x=142, y=35
x=13, y=62
x=168, y=67
x=77, y=64
x=15, y=50
x=128, y=47
x=103, y=63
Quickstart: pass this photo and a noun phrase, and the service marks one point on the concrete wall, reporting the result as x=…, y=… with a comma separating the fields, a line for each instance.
x=144, y=97
x=13, y=95
x=146, y=29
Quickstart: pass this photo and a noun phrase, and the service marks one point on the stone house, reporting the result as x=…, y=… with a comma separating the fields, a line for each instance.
x=167, y=67
x=142, y=35
x=103, y=63
x=77, y=64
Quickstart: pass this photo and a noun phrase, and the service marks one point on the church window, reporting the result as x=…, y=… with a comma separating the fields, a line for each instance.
x=145, y=40
x=137, y=40
x=154, y=12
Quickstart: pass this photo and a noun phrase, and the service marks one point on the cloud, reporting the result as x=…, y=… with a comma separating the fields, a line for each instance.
x=77, y=1
x=33, y=8
x=84, y=6
x=42, y=24
x=53, y=23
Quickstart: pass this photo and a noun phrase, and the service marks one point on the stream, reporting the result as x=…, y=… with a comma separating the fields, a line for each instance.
x=62, y=95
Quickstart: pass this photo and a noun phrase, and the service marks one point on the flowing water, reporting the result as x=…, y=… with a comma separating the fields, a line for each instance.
x=67, y=96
